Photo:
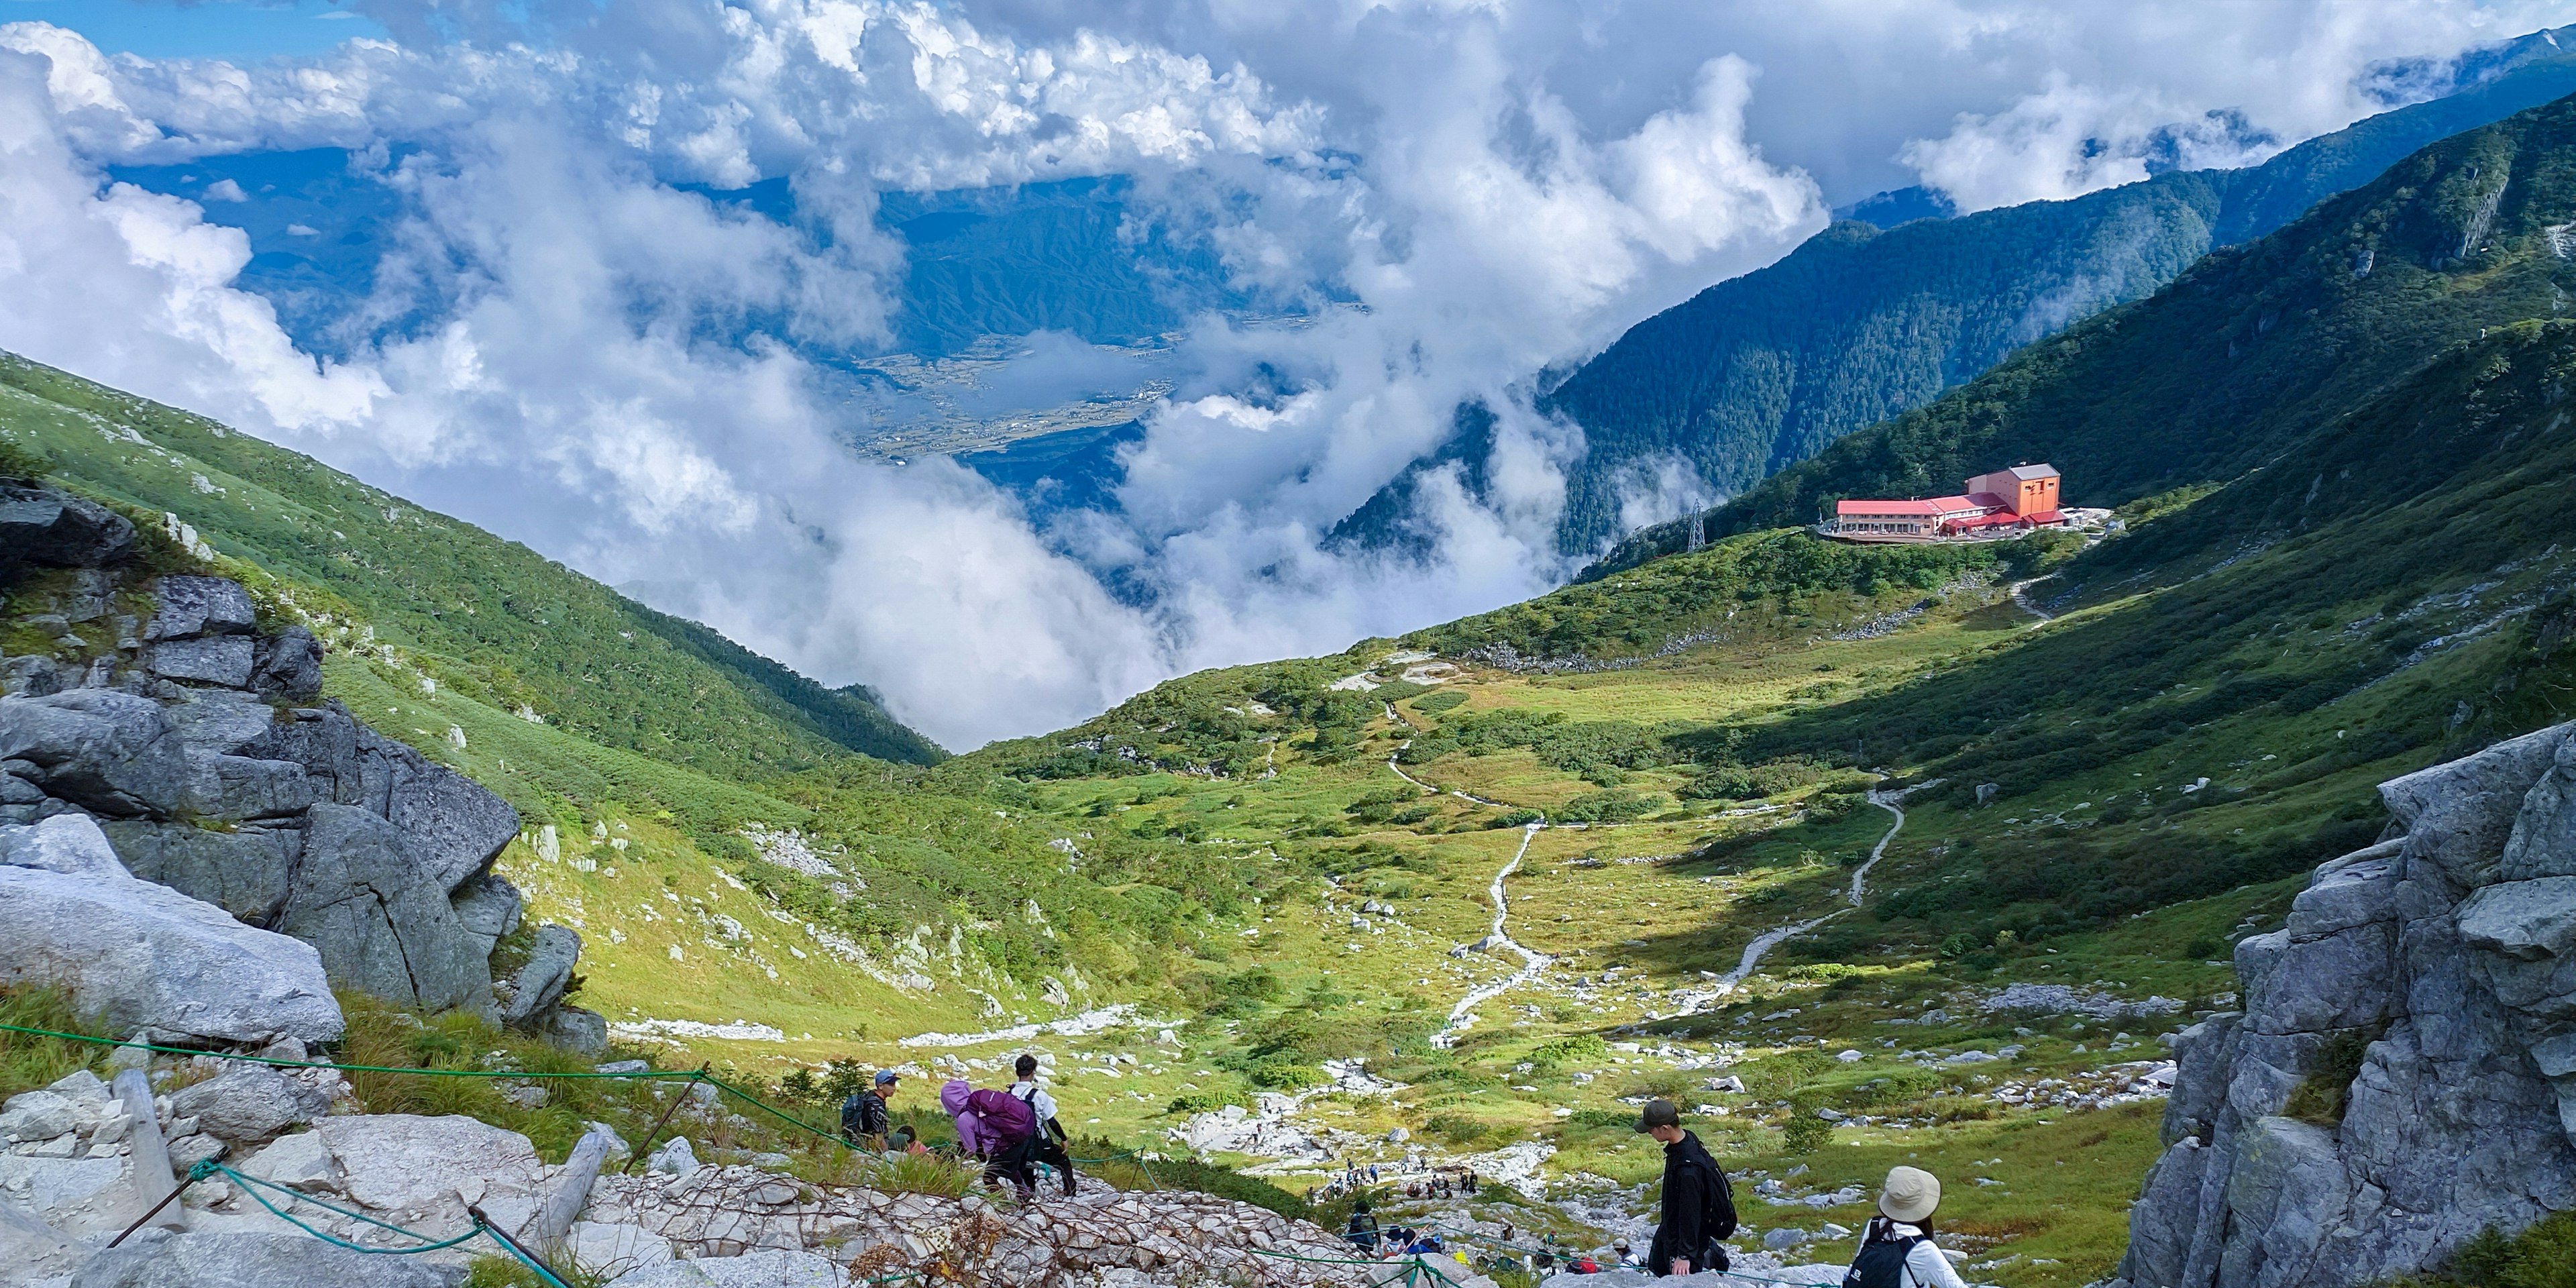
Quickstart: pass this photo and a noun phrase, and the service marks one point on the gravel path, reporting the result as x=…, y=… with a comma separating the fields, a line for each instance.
x=1460, y=1016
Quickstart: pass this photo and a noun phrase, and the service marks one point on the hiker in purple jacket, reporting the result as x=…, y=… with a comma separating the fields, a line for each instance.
x=993, y=1126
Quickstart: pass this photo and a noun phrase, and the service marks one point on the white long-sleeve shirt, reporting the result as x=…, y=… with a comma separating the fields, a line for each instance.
x=1925, y=1267
x=1043, y=1103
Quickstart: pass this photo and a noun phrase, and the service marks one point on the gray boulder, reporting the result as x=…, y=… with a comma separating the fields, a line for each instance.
x=541, y=983
x=233, y=789
x=245, y=871
x=51, y=528
x=488, y=907
x=288, y=666
x=2448, y=954
x=379, y=918
x=575, y=1029
x=108, y=752
x=212, y=659
x=141, y=955
x=248, y=1102
x=160, y=1259
x=30, y=676
x=456, y=827
x=193, y=606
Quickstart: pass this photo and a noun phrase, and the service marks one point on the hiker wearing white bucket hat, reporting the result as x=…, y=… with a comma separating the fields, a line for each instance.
x=1896, y=1248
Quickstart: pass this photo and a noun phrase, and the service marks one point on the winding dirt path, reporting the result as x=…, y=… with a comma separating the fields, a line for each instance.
x=2020, y=592
x=1461, y=1016
x=1770, y=939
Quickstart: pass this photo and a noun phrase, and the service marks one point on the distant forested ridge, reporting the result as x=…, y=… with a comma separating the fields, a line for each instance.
x=1859, y=324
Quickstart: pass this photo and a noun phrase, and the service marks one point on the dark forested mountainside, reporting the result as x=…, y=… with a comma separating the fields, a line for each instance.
x=1760, y=372
x=2252, y=350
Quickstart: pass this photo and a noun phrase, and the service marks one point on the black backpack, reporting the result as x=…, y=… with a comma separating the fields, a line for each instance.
x=1718, y=1218
x=1050, y=1127
x=850, y=1115
x=1881, y=1263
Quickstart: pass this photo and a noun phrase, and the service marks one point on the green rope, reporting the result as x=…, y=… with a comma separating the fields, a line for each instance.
x=344, y=1068
x=521, y=1257
x=251, y=1186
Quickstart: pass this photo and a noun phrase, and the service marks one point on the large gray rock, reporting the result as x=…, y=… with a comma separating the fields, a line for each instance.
x=108, y=752
x=244, y=871
x=193, y=606
x=288, y=666
x=456, y=827
x=411, y=1163
x=575, y=1029
x=140, y=955
x=159, y=1259
x=488, y=907
x=210, y=659
x=541, y=983
x=2451, y=952
x=380, y=919
x=248, y=1102
x=54, y=529
x=234, y=789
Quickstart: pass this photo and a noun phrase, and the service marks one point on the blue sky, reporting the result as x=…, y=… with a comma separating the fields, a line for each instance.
x=229, y=29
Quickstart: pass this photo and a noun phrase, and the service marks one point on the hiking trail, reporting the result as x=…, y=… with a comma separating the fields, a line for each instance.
x=1770, y=939
x=1534, y=962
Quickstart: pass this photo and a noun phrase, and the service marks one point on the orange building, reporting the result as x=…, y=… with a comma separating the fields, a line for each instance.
x=2022, y=497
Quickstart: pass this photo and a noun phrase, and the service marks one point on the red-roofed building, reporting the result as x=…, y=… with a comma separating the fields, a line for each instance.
x=2020, y=498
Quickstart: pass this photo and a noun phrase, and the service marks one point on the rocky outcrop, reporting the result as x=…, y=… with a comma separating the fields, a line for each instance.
x=145, y=957
x=159, y=1259
x=196, y=742
x=2426, y=986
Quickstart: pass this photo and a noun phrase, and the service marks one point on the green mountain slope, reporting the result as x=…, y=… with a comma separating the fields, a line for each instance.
x=494, y=617
x=2345, y=468
x=1858, y=325
x=2250, y=351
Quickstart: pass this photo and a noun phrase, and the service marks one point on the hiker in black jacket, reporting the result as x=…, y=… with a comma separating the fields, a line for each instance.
x=1699, y=1207
x=864, y=1120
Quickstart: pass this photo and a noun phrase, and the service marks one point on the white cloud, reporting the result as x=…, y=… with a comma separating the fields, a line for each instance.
x=1463, y=193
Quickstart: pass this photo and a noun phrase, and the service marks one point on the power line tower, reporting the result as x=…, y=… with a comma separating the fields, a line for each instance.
x=1699, y=531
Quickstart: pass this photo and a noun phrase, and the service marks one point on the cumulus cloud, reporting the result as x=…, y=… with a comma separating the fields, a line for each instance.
x=569, y=346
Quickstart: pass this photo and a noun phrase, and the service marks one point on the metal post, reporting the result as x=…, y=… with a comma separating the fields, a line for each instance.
x=676, y=1101
x=166, y=1200
x=493, y=1229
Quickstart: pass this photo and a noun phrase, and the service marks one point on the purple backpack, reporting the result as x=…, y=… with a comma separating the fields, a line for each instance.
x=1004, y=1116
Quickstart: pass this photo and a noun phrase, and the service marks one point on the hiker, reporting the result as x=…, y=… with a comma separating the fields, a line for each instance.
x=1621, y=1257
x=1699, y=1205
x=1363, y=1228
x=864, y=1120
x=1048, y=1145
x=1896, y=1248
x=996, y=1128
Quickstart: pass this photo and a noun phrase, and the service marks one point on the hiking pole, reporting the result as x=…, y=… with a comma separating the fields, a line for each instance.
x=676, y=1102
x=166, y=1200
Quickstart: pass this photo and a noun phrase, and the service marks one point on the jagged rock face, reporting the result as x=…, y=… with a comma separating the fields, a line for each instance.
x=54, y=529
x=199, y=749
x=2451, y=951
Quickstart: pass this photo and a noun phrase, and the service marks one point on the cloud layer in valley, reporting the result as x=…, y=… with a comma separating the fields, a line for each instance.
x=567, y=342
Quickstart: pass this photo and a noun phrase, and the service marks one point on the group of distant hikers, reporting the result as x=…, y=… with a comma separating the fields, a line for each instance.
x=1015, y=1132
x=1896, y=1247
x=1012, y=1132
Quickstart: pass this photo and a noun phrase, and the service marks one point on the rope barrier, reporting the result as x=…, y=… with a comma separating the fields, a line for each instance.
x=274, y=1063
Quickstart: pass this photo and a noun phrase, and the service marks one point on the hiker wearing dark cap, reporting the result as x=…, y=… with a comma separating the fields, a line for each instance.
x=1699, y=1206
x=864, y=1120
x=1896, y=1248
